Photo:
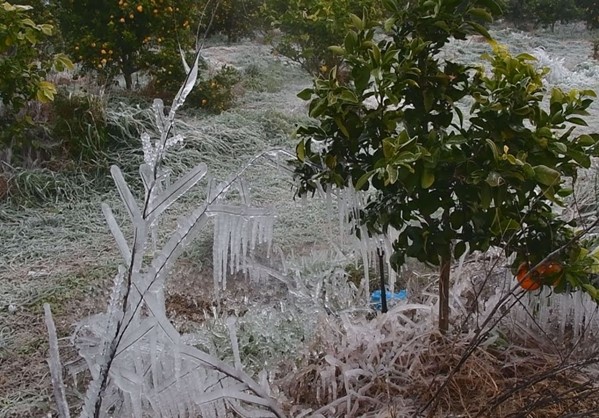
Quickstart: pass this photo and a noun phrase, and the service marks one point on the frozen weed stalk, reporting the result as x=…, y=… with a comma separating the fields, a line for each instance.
x=139, y=363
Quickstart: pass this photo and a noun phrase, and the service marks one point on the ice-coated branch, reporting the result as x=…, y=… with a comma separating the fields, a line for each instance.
x=56, y=366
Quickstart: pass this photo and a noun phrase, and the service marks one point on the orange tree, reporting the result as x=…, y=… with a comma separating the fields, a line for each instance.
x=448, y=182
x=121, y=36
x=234, y=18
x=589, y=12
x=309, y=27
x=23, y=70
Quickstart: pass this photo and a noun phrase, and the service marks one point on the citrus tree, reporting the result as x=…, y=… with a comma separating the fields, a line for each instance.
x=309, y=27
x=23, y=71
x=589, y=12
x=233, y=18
x=122, y=37
x=457, y=158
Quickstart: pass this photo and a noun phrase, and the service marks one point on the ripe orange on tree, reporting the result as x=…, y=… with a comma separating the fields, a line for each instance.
x=551, y=270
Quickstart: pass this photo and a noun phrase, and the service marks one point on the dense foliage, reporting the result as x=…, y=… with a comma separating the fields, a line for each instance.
x=448, y=182
x=532, y=13
x=310, y=27
x=122, y=37
x=235, y=19
x=23, y=70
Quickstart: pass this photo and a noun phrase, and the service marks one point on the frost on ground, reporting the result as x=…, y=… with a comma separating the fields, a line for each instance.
x=302, y=314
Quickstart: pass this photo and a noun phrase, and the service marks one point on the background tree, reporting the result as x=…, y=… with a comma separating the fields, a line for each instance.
x=118, y=36
x=447, y=184
x=23, y=70
x=589, y=10
x=309, y=27
x=235, y=19
x=547, y=13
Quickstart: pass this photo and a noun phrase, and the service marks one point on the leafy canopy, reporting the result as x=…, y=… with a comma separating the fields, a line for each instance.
x=112, y=37
x=309, y=27
x=23, y=71
x=455, y=157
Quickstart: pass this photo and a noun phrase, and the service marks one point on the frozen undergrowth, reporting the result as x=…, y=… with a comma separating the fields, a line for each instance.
x=138, y=362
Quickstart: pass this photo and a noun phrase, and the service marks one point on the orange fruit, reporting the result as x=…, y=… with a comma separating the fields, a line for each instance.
x=550, y=270
x=530, y=283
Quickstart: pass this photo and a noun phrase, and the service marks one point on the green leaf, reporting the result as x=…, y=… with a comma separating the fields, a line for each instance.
x=482, y=14
x=427, y=179
x=342, y=127
x=300, y=151
x=560, y=147
x=480, y=29
x=318, y=107
x=351, y=41
x=546, y=176
x=577, y=121
x=45, y=92
x=585, y=140
x=525, y=57
x=493, y=148
x=363, y=180
x=388, y=25
x=565, y=192
x=46, y=29
x=349, y=96
x=591, y=290
x=392, y=174
x=305, y=94
x=62, y=62
x=357, y=22
x=388, y=148
x=337, y=50
x=376, y=54
x=459, y=249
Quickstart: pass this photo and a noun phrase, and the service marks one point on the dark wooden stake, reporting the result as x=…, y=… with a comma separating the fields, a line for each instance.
x=381, y=253
x=444, y=295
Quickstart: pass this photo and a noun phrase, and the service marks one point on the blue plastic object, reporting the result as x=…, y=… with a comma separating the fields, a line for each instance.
x=375, y=297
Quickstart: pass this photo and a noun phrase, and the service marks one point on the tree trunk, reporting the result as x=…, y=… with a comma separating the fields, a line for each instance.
x=128, y=79
x=444, y=295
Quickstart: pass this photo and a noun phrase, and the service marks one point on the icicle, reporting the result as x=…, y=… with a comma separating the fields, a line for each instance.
x=365, y=259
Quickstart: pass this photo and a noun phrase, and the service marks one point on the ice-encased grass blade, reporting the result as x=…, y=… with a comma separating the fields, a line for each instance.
x=56, y=366
x=175, y=191
x=117, y=233
x=126, y=195
x=186, y=88
x=147, y=177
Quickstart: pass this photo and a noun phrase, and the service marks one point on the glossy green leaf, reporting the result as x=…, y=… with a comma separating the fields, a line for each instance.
x=427, y=179
x=585, y=140
x=546, y=176
x=337, y=50
x=306, y=94
x=300, y=151
x=459, y=249
x=363, y=180
x=482, y=14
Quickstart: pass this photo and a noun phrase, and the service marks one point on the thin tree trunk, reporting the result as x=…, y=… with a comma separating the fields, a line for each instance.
x=444, y=295
x=128, y=80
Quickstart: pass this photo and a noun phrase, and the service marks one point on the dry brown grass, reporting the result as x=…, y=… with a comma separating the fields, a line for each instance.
x=393, y=372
